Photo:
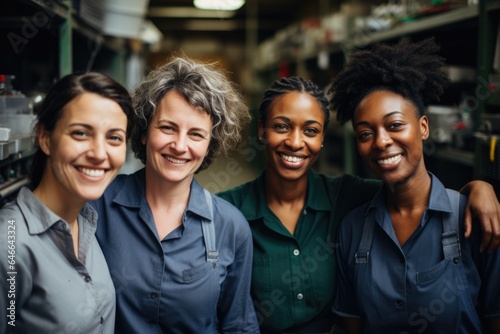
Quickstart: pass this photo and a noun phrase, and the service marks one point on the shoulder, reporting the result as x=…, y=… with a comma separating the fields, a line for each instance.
x=237, y=194
x=229, y=217
x=11, y=214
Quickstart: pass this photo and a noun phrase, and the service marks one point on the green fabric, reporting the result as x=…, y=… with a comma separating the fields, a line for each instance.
x=293, y=276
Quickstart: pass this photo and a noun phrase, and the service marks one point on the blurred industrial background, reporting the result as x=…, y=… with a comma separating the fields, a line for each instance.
x=255, y=43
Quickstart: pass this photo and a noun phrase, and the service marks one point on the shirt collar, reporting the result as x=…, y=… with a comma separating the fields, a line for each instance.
x=438, y=200
x=197, y=202
x=254, y=204
x=39, y=218
x=133, y=194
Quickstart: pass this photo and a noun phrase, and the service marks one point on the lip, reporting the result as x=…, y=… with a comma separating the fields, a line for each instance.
x=292, y=161
x=92, y=172
x=175, y=161
x=389, y=161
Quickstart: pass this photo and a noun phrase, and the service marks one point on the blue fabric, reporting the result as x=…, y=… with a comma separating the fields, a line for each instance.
x=168, y=286
x=413, y=289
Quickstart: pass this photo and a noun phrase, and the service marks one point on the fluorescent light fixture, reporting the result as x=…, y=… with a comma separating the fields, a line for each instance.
x=219, y=4
x=189, y=12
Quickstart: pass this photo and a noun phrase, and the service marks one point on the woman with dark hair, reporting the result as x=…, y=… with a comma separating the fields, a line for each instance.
x=294, y=212
x=180, y=258
x=404, y=264
x=57, y=279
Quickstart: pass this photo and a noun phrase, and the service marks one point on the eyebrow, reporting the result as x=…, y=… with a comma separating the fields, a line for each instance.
x=89, y=127
x=177, y=125
x=385, y=117
x=286, y=119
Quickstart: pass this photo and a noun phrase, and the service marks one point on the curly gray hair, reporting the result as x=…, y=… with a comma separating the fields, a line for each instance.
x=205, y=87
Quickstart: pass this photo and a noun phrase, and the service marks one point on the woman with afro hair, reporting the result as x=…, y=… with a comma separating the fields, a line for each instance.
x=404, y=264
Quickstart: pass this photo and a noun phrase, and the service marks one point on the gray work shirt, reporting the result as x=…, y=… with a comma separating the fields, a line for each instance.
x=44, y=288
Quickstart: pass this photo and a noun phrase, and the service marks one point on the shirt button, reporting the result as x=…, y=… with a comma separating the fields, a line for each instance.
x=154, y=295
x=296, y=252
x=399, y=304
x=87, y=279
x=304, y=212
x=300, y=296
x=102, y=320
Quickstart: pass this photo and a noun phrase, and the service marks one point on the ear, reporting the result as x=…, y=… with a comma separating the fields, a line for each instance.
x=43, y=139
x=424, y=127
x=261, y=131
x=143, y=138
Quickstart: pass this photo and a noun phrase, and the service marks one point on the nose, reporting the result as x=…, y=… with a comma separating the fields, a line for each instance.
x=97, y=150
x=382, y=140
x=294, y=140
x=179, y=143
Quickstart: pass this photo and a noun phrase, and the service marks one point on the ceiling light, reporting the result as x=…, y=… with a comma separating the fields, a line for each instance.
x=189, y=12
x=219, y=4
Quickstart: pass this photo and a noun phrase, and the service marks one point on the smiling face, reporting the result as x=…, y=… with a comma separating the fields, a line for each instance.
x=293, y=132
x=389, y=136
x=86, y=149
x=177, y=140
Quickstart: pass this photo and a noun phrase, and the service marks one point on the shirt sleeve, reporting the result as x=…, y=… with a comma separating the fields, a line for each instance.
x=358, y=190
x=235, y=307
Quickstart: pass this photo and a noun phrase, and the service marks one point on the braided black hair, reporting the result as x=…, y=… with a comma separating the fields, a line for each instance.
x=293, y=84
x=409, y=69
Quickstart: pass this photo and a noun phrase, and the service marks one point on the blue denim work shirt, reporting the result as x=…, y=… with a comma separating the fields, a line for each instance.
x=167, y=286
x=408, y=289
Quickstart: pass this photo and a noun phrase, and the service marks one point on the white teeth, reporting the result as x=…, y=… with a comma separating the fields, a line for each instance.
x=176, y=161
x=389, y=161
x=91, y=172
x=291, y=159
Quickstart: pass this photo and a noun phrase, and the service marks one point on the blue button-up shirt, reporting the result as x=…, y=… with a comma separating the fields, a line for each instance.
x=167, y=286
x=403, y=289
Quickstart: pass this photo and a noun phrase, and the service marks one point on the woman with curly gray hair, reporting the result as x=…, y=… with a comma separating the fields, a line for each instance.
x=180, y=258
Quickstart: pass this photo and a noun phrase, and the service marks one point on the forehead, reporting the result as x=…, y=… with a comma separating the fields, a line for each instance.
x=174, y=107
x=383, y=101
x=88, y=105
x=296, y=106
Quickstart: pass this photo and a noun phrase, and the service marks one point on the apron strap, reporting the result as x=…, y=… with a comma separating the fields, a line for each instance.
x=451, y=223
x=209, y=232
x=363, y=253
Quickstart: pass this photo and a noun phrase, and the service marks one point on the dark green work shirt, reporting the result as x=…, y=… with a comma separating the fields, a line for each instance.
x=293, y=276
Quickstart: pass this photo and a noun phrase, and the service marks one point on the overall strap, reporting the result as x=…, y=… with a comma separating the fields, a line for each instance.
x=363, y=253
x=209, y=232
x=451, y=225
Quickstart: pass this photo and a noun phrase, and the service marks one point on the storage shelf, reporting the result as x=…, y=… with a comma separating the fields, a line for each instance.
x=465, y=158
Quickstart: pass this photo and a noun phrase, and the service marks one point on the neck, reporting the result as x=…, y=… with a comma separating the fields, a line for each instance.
x=160, y=193
x=63, y=205
x=281, y=190
x=411, y=195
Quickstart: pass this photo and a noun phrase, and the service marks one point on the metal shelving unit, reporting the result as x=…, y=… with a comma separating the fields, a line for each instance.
x=483, y=17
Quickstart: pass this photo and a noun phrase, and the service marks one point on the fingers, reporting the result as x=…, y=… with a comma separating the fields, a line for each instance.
x=467, y=222
x=495, y=232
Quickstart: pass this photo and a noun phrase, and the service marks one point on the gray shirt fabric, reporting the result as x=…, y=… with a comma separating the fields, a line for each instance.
x=44, y=288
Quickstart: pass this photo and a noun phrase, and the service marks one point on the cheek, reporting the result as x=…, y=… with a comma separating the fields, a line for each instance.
x=118, y=154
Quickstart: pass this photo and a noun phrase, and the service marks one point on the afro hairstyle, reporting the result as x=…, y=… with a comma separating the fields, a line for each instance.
x=410, y=69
